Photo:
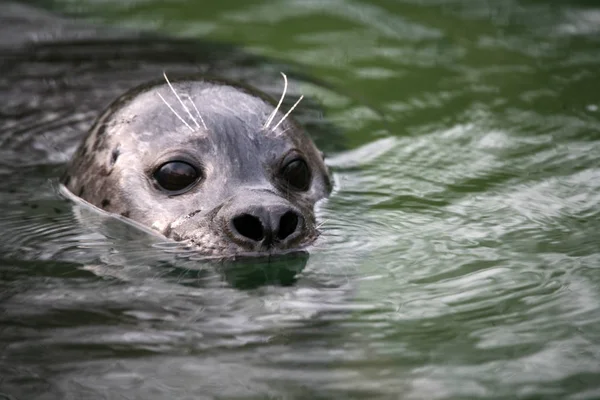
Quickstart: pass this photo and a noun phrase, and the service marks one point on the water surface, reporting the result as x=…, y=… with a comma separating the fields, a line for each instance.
x=460, y=252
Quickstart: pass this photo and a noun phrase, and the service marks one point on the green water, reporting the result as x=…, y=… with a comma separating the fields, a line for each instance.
x=460, y=255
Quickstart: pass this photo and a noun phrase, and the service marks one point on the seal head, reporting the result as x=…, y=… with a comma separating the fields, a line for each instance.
x=207, y=162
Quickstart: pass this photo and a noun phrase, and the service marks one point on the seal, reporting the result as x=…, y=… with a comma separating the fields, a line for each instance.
x=204, y=161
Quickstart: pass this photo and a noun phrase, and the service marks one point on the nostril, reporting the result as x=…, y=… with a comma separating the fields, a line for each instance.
x=287, y=225
x=249, y=226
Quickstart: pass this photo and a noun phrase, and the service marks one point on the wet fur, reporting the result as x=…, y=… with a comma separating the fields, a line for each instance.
x=232, y=135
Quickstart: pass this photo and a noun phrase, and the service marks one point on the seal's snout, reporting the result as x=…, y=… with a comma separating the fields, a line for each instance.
x=266, y=224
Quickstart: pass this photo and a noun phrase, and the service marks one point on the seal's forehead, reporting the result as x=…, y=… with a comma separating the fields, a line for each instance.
x=195, y=105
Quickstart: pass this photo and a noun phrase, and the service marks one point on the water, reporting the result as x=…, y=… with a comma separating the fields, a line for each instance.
x=460, y=250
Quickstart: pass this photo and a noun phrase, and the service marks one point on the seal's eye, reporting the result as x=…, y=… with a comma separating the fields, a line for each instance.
x=297, y=174
x=175, y=176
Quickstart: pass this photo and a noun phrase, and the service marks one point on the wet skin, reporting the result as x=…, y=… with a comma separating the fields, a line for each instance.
x=207, y=171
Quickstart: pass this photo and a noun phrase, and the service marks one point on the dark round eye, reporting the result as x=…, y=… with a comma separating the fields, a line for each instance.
x=297, y=174
x=175, y=175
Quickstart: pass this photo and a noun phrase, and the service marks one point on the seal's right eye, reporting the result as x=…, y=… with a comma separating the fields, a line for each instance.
x=176, y=176
x=297, y=174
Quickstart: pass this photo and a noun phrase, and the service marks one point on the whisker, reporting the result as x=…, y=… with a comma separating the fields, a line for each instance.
x=196, y=108
x=174, y=112
x=180, y=101
x=270, y=119
x=322, y=223
x=288, y=113
x=283, y=131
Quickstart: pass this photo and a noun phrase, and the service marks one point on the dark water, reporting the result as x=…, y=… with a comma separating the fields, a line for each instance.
x=461, y=248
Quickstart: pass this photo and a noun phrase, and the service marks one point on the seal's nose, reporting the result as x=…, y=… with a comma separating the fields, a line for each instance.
x=267, y=224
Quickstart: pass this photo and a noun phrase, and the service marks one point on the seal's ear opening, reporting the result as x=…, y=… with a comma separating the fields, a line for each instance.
x=249, y=273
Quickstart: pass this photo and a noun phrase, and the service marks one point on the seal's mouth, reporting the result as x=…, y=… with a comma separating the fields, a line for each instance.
x=231, y=252
x=191, y=251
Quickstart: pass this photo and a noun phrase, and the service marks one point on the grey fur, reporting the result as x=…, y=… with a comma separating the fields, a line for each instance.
x=241, y=160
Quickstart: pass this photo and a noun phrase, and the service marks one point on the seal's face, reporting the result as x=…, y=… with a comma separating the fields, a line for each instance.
x=211, y=168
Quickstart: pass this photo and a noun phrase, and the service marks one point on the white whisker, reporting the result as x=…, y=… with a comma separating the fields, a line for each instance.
x=288, y=113
x=174, y=112
x=283, y=131
x=322, y=223
x=180, y=101
x=198, y=112
x=270, y=119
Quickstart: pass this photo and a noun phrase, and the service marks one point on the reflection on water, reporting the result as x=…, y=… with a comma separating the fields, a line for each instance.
x=459, y=252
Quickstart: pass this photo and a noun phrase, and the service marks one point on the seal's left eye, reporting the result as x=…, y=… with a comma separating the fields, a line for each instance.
x=175, y=175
